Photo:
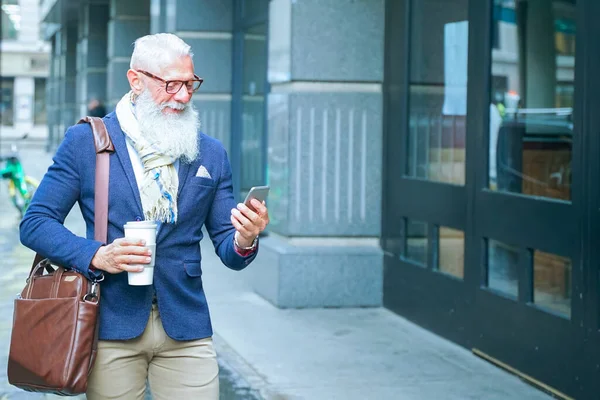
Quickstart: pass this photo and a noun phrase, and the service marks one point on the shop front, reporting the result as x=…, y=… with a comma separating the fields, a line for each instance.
x=492, y=170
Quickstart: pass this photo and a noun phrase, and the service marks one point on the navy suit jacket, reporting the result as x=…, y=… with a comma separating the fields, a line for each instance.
x=125, y=309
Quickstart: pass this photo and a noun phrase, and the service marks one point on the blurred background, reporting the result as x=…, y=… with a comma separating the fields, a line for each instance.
x=437, y=159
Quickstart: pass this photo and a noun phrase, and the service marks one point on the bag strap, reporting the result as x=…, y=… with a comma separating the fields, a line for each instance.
x=104, y=147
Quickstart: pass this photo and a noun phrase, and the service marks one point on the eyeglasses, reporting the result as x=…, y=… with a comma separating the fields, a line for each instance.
x=173, y=87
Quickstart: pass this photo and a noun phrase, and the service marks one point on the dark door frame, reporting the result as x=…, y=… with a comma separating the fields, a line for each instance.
x=587, y=106
x=462, y=310
x=447, y=311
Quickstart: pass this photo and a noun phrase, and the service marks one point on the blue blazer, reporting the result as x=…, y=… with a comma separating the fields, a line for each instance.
x=125, y=309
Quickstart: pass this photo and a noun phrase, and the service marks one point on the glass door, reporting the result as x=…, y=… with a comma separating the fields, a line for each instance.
x=425, y=229
x=250, y=87
x=529, y=190
x=253, y=141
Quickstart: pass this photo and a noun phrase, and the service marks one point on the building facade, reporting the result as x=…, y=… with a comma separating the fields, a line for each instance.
x=24, y=68
x=438, y=158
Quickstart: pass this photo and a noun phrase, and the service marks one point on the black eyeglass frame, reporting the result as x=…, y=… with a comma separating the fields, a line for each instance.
x=181, y=83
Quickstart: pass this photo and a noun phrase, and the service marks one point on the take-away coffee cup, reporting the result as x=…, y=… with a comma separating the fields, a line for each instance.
x=145, y=230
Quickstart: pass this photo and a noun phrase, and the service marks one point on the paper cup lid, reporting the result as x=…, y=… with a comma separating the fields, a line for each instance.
x=140, y=224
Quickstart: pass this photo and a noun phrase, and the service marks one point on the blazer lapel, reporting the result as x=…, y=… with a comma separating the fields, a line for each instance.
x=183, y=172
x=184, y=175
x=118, y=139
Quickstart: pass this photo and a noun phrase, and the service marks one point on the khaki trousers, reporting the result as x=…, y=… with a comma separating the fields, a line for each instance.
x=175, y=370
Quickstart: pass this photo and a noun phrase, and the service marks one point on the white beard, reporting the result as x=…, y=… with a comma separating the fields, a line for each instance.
x=175, y=135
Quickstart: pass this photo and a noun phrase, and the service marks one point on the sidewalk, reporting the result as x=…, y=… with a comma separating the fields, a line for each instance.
x=341, y=353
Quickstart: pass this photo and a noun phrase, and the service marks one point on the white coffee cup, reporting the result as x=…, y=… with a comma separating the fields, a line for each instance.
x=145, y=230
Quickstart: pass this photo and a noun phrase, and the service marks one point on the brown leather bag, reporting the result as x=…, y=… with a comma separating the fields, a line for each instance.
x=55, y=324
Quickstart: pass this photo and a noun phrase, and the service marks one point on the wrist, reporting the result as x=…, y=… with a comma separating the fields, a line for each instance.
x=96, y=262
x=244, y=244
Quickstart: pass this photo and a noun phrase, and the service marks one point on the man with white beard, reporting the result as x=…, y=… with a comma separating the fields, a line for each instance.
x=162, y=170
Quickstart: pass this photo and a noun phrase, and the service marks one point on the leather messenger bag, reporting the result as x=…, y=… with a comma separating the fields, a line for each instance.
x=55, y=323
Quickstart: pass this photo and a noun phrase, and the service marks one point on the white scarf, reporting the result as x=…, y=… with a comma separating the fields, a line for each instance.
x=158, y=189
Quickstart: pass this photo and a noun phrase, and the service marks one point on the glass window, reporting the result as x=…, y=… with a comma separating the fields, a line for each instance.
x=552, y=282
x=532, y=95
x=11, y=18
x=438, y=90
x=253, y=107
x=416, y=241
x=503, y=268
x=6, y=101
x=39, y=107
x=451, y=252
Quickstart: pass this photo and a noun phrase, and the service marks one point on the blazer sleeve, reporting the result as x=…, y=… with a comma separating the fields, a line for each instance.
x=218, y=223
x=42, y=228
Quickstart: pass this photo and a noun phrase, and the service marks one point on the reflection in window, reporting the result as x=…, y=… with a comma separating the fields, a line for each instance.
x=532, y=98
x=416, y=241
x=503, y=268
x=552, y=282
x=451, y=252
x=10, y=14
x=6, y=101
x=39, y=106
x=438, y=90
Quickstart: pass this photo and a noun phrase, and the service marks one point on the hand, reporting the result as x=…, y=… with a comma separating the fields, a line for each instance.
x=249, y=222
x=117, y=256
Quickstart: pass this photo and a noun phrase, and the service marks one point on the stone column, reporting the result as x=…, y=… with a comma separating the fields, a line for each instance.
x=206, y=25
x=129, y=19
x=325, y=151
x=92, y=53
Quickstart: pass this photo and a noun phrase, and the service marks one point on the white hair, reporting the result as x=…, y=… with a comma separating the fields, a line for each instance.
x=155, y=52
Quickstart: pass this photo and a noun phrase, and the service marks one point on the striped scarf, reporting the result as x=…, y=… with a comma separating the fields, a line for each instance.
x=158, y=189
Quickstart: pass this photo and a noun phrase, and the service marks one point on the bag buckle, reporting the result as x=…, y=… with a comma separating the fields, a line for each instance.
x=92, y=296
x=99, y=278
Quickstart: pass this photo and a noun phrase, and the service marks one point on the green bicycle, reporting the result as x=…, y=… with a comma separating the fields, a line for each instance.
x=21, y=187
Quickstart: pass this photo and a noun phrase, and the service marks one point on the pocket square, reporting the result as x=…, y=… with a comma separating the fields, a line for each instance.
x=203, y=172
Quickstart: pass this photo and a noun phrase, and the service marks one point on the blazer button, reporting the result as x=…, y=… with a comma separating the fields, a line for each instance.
x=138, y=218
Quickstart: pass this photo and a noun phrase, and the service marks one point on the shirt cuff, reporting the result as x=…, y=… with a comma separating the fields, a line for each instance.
x=243, y=253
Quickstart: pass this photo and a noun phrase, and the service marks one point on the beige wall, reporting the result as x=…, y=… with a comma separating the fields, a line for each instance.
x=24, y=64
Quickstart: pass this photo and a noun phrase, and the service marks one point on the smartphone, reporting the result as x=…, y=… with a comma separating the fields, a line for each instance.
x=257, y=192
